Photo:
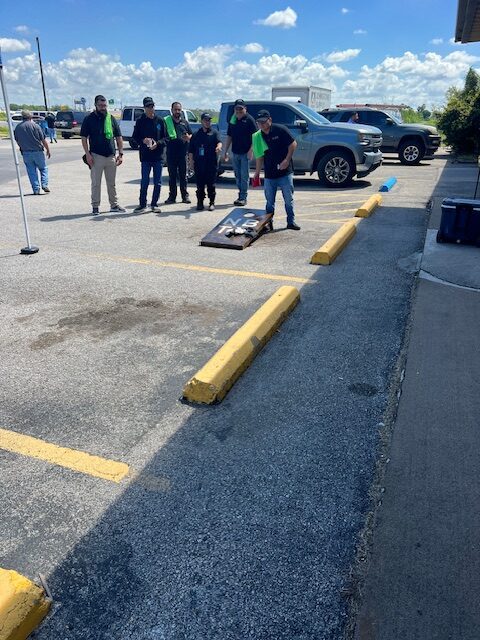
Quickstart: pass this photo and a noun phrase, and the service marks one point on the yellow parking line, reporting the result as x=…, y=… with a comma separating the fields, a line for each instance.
x=319, y=216
x=69, y=458
x=327, y=221
x=194, y=267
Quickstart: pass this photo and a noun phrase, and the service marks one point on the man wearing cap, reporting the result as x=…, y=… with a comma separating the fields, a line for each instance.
x=178, y=137
x=31, y=140
x=149, y=134
x=203, y=152
x=99, y=133
x=273, y=147
x=239, y=135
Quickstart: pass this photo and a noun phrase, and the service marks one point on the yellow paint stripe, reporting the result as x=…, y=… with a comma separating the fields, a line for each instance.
x=326, y=220
x=194, y=267
x=69, y=458
x=23, y=605
x=328, y=213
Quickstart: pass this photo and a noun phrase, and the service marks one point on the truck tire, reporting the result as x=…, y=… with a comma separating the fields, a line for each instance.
x=133, y=144
x=411, y=151
x=336, y=169
x=66, y=136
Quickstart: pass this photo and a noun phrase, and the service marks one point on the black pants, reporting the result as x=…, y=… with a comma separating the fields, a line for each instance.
x=206, y=177
x=177, y=166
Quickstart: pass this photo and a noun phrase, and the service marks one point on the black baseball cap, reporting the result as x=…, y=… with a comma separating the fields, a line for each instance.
x=263, y=114
x=148, y=102
x=239, y=103
x=205, y=116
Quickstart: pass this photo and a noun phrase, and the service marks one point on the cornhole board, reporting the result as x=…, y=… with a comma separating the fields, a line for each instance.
x=254, y=219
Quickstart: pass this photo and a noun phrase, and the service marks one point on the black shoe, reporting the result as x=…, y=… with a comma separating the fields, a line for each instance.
x=140, y=209
x=200, y=206
x=293, y=226
x=117, y=209
x=240, y=202
x=268, y=227
x=95, y=211
x=46, y=189
x=170, y=201
x=186, y=200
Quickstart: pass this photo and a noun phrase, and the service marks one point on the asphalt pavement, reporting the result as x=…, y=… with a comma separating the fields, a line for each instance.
x=244, y=519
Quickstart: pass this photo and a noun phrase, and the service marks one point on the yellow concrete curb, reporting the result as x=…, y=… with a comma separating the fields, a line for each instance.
x=367, y=207
x=213, y=381
x=335, y=244
x=23, y=605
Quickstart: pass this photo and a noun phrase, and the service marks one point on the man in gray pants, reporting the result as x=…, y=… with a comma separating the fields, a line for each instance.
x=99, y=129
x=31, y=140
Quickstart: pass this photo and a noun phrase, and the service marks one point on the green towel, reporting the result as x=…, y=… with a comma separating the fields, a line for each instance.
x=107, y=128
x=172, y=132
x=259, y=145
x=233, y=119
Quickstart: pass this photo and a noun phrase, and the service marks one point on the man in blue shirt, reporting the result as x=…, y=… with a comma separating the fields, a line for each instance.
x=31, y=140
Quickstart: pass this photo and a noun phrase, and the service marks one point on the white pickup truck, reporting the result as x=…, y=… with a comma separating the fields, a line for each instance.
x=132, y=113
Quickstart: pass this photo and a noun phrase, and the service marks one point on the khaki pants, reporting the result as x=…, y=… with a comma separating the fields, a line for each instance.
x=102, y=164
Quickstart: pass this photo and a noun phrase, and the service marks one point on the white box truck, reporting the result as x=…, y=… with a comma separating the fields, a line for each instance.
x=315, y=97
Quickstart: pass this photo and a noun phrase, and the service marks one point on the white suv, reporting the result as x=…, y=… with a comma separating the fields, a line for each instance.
x=130, y=114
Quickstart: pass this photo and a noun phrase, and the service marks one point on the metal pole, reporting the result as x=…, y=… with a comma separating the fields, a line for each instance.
x=41, y=73
x=29, y=248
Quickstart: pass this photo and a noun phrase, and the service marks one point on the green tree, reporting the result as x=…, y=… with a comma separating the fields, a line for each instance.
x=460, y=121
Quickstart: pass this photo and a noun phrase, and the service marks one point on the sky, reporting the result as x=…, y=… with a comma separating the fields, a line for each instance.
x=207, y=51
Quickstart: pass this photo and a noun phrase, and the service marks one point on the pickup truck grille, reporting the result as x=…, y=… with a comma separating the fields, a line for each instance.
x=376, y=141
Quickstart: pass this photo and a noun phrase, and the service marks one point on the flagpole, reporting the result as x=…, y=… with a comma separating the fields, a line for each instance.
x=29, y=249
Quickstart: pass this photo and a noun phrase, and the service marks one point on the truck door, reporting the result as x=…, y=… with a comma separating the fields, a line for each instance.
x=282, y=114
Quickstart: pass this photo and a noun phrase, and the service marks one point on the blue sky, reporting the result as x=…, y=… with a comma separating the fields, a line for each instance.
x=204, y=52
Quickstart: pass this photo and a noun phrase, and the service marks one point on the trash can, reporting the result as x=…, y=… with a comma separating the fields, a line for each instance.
x=460, y=221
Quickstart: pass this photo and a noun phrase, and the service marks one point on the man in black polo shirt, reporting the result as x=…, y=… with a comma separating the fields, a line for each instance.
x=178, y=137
x=98, y=132
x=273, y=147
x=149, y=134
x=239, y=135
x=203, y=151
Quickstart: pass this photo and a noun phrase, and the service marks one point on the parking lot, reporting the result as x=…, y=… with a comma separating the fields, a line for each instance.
x=237, y=520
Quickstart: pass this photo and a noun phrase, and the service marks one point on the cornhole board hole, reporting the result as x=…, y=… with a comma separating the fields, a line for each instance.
x=252, y=221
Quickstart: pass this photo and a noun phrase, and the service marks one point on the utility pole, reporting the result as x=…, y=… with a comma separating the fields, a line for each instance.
x=41, y=73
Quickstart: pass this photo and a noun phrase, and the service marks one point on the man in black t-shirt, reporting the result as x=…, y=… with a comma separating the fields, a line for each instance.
x=239, y=134
x=203, y=151
x=149, y=134
x=178, y=137
x=99, y=133
x=273, y=146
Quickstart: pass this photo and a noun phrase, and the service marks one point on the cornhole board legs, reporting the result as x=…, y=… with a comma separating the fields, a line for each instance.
x=253, y=220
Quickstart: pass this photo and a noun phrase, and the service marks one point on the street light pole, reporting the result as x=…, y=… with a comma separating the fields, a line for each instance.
x=41, y=73
x=29, y=249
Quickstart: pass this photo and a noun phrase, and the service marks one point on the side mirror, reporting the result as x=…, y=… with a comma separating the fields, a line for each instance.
x=301, y=124
x=389, y=121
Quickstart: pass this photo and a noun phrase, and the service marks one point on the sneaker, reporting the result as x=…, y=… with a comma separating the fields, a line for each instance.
x=268, y=227
x=186, y=200
x=140, y=209
x=211, y=207
x=117, y=209
x=240, y=202
x=200, y=206
x=46, y=189
x=95, y=211
x=293, y=226
x=170, y=201
x=36, y=193
x=155, y=209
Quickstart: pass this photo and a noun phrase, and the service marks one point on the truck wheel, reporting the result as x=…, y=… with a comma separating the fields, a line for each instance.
x=336, y=169
x=66, y=136
x=133, y=144
x=411, y=152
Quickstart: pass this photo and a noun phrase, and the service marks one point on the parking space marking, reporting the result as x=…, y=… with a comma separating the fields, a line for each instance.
x=194, y=267
x=316, y=216
x=323, y=220
x=329, y=204
x=70, y=458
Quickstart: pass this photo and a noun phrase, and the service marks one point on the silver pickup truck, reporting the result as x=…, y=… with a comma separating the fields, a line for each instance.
x=337, y=152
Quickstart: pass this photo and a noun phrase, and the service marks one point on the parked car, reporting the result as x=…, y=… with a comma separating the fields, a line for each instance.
x=132, y=113
x=337, y=152
x=70, y=122
x=16, y=118
x=412, y=142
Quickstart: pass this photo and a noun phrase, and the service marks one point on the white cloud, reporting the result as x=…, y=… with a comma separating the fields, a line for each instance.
x=342, y=56
x=285, y=19
x=344, y=10
x=436, y=41
x=456, y=44
x=253, y=47
x=360, y=32
x=22, y=28
x=12, y=44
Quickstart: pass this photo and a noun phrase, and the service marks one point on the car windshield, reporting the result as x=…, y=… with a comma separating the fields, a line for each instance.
x=312, y=115
x=162, y=113
x=395, y=118
x=64, y=116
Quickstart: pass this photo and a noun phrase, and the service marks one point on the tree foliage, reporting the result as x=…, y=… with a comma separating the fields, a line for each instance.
x=460, y=121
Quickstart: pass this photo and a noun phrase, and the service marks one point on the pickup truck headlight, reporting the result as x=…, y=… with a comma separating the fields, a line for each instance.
x=364, y=139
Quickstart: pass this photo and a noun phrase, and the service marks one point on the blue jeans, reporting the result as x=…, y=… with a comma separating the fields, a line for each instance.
x=52, y=134
x=35, y=161
x=285, y=183
x=147, y=166
x=240, y=168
